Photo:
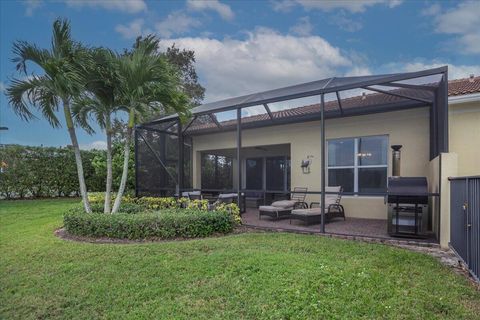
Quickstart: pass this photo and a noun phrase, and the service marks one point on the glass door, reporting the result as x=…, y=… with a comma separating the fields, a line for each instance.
x=277, y=170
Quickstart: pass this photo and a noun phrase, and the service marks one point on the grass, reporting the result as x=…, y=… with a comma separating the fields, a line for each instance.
x=244, y=276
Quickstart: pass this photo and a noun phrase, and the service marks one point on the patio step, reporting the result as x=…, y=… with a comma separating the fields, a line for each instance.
x=385, y=240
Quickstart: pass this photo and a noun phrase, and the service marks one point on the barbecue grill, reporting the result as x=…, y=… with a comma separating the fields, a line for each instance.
x=407, y=206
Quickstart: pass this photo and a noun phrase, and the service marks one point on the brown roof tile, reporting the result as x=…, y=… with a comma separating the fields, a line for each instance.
x=463, y=86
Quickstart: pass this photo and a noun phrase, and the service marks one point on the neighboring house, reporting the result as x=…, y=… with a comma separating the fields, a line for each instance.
x=280, y=146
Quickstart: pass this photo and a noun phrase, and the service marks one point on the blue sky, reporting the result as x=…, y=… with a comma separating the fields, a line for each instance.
x=248, y=46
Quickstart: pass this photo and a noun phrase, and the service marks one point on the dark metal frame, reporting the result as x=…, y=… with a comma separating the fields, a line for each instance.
x=438, y=112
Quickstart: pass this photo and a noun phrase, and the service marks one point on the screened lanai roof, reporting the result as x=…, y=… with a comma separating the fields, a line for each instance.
x=417, y=87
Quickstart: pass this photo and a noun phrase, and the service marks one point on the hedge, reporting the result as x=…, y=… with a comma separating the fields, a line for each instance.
x=30, y=172
x=165, y=224
x=135, y=205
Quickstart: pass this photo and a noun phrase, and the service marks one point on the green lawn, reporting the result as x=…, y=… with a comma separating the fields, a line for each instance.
x=245, y=276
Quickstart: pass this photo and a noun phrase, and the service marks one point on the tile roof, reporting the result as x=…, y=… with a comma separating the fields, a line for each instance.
x=455, y=88
x=464, y=86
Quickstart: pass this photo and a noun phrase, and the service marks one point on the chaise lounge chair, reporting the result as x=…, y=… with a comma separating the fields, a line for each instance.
x=333, y=208
x=193, y=195
x=283, y=208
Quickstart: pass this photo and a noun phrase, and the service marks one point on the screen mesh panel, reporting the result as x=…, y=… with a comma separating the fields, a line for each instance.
x=157, y=160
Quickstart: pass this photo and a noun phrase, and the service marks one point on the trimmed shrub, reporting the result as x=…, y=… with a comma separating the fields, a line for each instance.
x=131, y=208
x=137, y=205
x=165, y=224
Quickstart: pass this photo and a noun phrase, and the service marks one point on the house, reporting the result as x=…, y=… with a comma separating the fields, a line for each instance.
x=277, y=135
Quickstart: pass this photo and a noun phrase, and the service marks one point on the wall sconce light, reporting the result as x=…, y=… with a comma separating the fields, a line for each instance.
x=306, y=164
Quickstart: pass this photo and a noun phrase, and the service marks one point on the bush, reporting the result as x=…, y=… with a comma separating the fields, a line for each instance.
x=30, y=172
x=136, y=205
x=165, y=224
x=131, y=208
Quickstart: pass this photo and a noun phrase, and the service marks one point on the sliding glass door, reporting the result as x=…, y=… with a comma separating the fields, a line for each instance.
x=276, y=173
x=269, y=173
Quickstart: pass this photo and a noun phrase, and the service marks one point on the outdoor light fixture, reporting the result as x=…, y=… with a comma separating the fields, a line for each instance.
x=306, y=164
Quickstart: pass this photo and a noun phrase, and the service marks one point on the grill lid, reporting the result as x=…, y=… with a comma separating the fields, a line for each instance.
x=408, y=186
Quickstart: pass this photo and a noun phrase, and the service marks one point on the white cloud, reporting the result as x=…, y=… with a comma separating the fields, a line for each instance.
x=128, y=6
x=133, y=29
x=2, y=87
x=358, y=71
x=463, y=22
x=176, y=23
x=98, y=145
x=455, y=71
x=303, y=27
x=282, y=5
x=345, y=23
x=263, y=60
x=222, y=9
x=31, y=6
x=329, y=5
x=432, y=10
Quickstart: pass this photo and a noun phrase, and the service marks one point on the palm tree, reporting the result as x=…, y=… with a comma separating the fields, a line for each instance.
x=100, y=103
x=148, y=83
x=62, y=80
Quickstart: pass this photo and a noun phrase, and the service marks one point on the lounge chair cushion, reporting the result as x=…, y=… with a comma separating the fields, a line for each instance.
x=273, y=209
x=227, y=195
x=308, y=212
x=284, y=204
x=191, y=193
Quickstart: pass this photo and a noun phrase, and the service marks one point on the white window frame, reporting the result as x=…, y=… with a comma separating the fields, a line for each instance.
x=356, y=166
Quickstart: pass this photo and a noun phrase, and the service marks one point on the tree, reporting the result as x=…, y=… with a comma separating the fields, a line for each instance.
x=62, y=81
x=184, y=61
x=147, y=82
x=99, y=101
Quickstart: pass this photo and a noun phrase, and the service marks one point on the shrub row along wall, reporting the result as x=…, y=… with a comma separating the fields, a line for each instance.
x=27, y=171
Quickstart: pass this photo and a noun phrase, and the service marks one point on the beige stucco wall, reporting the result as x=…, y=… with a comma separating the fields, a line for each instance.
x=409, y=128
x=449, y=168
x=434, y=187
x=464, y=136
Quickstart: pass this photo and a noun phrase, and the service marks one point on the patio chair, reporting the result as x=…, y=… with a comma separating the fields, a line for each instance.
x=223, y=198
x=193, y=195
x=333, y=208
x=283, y=208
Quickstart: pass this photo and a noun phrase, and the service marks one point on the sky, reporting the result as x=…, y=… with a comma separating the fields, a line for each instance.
x=244, y=47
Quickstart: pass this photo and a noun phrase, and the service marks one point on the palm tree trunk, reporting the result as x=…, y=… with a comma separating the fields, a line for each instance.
x=108, y=189
x=78, y=156
x=123, y=182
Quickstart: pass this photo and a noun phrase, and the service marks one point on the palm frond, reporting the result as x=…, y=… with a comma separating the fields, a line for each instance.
x=62, y=43
x=82, y=108
x=24, y=52
x=36, y=91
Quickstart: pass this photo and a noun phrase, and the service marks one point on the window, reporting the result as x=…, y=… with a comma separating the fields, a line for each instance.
x=358, y=164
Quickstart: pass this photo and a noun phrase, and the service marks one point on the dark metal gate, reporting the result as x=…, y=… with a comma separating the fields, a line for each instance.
x=465, y=221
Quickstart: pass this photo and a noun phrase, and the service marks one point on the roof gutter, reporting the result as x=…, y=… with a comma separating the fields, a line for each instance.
x=464, y=98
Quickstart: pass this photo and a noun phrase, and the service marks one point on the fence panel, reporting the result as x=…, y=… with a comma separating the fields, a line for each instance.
x=465, y=220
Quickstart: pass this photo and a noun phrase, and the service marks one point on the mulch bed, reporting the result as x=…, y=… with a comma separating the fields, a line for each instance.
x=63, y=234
